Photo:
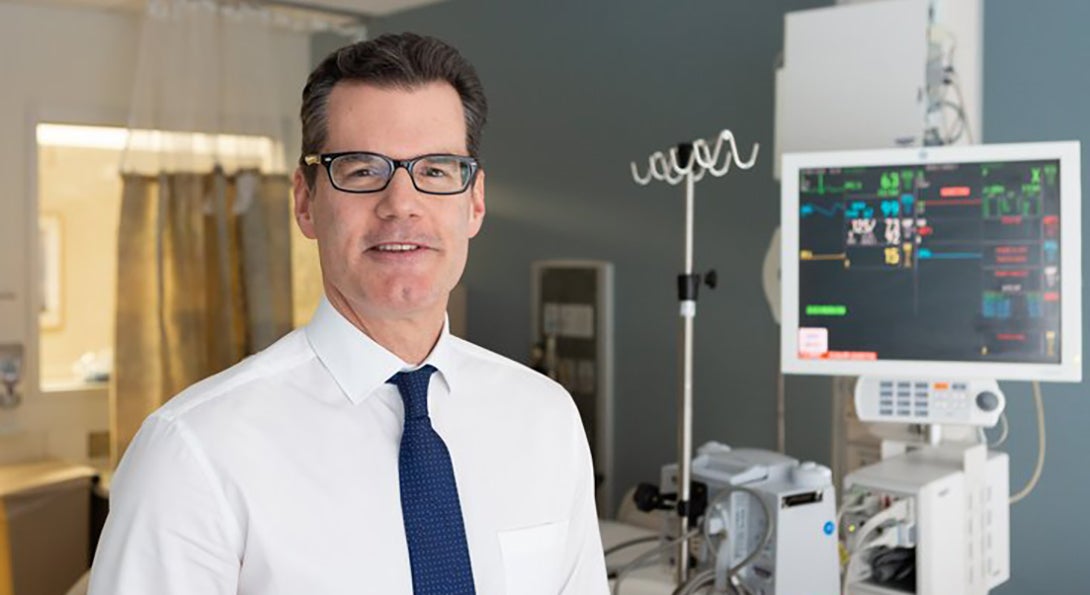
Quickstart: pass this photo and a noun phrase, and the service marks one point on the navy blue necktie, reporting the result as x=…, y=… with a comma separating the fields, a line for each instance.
x=438, y=552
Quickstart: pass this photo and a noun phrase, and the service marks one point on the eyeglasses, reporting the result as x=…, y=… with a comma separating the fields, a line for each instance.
x=360, y=172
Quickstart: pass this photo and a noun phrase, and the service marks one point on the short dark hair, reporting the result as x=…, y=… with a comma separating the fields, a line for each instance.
x=405, y=60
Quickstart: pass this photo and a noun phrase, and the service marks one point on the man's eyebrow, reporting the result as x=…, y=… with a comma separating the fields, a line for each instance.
x=448, y=151
x=434, y=151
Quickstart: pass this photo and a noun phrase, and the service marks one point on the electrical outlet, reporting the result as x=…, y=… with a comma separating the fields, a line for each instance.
x=11, y=374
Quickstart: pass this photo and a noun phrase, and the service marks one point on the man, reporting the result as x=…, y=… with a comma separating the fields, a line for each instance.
x=371, y=451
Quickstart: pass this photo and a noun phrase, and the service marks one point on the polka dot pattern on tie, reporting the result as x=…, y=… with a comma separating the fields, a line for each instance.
x=434, y=529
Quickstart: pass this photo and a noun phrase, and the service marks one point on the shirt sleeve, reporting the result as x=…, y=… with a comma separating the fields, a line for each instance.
x=585, y=562
x=170, y=529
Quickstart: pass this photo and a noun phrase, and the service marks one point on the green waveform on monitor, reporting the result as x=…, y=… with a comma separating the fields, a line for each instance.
x=826, y=310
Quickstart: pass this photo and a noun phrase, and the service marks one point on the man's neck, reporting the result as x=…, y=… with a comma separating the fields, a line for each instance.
x=410, y=338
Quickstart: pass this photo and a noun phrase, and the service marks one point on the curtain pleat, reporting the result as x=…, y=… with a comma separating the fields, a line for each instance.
x=204, y=279
x=135, y=387
x=265, y=232
x=182, y=265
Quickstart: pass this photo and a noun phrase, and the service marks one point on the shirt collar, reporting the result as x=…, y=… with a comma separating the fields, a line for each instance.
x=358, y=364
x=445, y=356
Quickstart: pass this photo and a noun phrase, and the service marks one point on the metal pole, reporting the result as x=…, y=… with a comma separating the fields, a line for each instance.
x=683, y=161
x=685, y=403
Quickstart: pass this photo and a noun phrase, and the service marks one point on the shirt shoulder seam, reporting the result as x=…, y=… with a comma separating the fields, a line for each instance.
x=260, y=370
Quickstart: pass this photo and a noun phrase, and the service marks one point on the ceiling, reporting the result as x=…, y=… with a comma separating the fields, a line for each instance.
x=368, y=7
x=375, y=8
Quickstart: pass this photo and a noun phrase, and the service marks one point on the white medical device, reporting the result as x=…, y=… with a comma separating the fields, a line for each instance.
x=931, y=273
x=929, y=401
x=932, y=517
x=799, y=556
x=937, y=262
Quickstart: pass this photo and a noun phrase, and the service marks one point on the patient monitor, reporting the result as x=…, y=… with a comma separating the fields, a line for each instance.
x=932, y=273
x=937, y=262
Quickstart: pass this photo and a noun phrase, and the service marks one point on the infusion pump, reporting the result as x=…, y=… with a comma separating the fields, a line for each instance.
x=932, y=517
x=797, y=508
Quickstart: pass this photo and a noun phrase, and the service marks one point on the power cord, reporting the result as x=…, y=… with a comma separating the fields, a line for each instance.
x=700, y=580
x=1041, y=444
x=893, y=565
x=722, y=579
x=627, y=544
x=857, y=502
x=887, y=538
x=642, y=559
x=954, y=80
x=950, y=80
x=890, y=536
x=1004, y=432
x=705, y=579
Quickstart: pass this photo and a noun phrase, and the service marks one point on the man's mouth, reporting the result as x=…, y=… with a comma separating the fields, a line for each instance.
x=397, y=247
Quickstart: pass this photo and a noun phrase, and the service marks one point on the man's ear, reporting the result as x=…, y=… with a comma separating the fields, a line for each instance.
x=476, y=205
x=304, y=203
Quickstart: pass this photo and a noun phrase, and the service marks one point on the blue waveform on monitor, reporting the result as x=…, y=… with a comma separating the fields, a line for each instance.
x=859, y=210
x=926, y=253
x=1035, y=305
x=996, y=307
x=812, y=209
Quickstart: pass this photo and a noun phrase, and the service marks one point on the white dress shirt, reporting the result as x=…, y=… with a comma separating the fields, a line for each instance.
x=279, y=476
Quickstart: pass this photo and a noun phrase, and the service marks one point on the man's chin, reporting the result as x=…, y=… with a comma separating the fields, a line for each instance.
x=407, y=302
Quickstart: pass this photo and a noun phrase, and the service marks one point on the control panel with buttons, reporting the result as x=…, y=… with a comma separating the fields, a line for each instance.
x=921, y=401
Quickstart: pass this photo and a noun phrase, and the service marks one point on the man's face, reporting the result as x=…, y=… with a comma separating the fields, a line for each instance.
x=361, y=237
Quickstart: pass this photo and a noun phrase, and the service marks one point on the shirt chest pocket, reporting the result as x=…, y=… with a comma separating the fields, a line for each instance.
x=533, y=558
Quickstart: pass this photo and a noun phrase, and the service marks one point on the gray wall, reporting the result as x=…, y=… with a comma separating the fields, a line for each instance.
x=1036, y=88
x=578, y=89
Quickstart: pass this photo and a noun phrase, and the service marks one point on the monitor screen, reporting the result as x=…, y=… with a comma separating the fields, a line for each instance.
x=940, y=261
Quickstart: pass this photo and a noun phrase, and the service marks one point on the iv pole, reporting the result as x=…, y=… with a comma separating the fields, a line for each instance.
x=689, y=162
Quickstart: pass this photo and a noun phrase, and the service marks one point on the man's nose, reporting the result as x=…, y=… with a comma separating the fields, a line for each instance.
x=400, y=199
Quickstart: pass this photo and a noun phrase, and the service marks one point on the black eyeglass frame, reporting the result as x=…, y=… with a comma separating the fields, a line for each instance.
x=327, y=160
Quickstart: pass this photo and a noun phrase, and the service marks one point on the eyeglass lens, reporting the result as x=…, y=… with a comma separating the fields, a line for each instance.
x=363, y=172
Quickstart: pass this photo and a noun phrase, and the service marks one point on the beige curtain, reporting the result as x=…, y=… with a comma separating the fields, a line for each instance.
x=204, y=279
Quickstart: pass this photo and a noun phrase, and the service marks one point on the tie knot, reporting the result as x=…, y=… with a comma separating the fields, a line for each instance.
x=413, y=387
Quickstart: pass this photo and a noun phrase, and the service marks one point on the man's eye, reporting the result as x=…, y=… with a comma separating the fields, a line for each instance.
x=361, y=172
x=435, y=172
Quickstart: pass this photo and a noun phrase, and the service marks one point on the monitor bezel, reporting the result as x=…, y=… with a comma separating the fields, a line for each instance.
x=1069, y=369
